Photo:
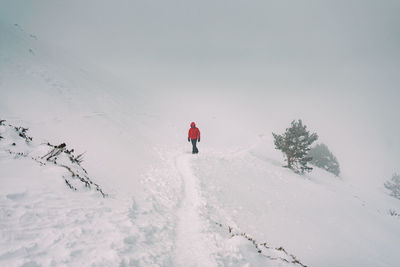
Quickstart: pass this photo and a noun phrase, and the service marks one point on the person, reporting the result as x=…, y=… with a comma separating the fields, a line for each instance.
x=194, y=137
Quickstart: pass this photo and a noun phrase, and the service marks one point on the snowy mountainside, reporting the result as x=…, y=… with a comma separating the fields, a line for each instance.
x=50, y=94
x=18, y=143
x=326, y=220
x=231, y=205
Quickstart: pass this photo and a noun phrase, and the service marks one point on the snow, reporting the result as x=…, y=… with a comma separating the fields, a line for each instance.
x=40, y=216
x=231, y=205
x=191, y=247
x=309, y=216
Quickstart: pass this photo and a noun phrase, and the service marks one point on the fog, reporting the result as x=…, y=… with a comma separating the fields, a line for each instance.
x=257, y=65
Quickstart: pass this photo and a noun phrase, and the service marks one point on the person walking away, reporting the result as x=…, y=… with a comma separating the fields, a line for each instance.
x=194, y=137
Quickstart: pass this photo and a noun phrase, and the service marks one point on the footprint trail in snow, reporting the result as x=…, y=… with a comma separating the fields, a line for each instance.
x=193, y=248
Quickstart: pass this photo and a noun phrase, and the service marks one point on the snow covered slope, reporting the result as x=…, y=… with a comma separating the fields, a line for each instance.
x=231, y=205
x=323, y=220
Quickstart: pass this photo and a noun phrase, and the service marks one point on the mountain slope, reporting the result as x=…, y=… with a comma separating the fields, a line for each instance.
x=323, y=220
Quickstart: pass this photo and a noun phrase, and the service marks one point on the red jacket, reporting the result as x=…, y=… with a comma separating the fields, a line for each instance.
x=194, y=132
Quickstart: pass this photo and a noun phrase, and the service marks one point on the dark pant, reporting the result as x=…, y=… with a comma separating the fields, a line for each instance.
x=195, y=150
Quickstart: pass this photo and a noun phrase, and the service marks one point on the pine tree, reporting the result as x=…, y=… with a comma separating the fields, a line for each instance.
x=394, y=185
x=323, y=158
x=295, y=144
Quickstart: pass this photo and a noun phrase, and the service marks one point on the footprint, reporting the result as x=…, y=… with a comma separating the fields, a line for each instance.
x=130, y=239
x=16, y=196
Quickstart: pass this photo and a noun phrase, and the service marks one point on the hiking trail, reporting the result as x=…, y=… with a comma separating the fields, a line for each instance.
x=193, y=248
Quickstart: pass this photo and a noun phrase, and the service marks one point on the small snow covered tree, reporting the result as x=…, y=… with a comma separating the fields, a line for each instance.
x=295, y=143
x=394, y=185
x=323, y=158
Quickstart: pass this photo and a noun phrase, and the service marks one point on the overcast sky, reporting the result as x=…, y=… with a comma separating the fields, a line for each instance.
x=326, y=61
x=297, y=44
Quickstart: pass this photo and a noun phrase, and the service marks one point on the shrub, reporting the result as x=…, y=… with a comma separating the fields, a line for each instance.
x=323, y=158
x=394, y=185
